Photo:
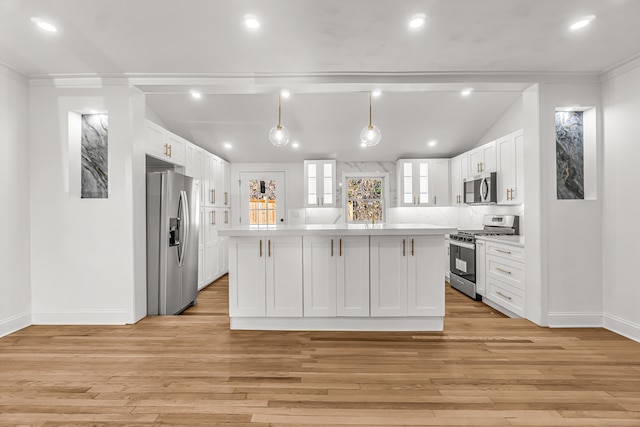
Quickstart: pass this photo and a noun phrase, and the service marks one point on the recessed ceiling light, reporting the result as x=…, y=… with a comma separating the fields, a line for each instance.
x=432, y=143
x=196, y=94
x=376, y=92
x=44, y=25
x=466, y=92
x=228, y=145
x=582, y=22
x=285, y=93
x=417, y=21
x=251, y=22
x=295, y=144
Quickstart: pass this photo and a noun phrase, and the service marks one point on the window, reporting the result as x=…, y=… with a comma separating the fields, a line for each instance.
x=366, y=197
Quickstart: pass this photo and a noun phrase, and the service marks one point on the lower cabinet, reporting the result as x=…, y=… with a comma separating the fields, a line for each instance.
x=265, y=276
x=402, y=276
x=504, y=275
x=336, y=276
x=213, y=258
x=480, y=267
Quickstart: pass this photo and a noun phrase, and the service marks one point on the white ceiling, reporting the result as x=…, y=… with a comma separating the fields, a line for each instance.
x=190, y=39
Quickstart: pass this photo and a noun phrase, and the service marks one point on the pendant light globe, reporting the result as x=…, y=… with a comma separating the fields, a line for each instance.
x=279, y=136
x=370, y=136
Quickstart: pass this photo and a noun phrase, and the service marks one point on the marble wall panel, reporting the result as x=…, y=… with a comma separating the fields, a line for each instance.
x=94, y=153
x=569, y=155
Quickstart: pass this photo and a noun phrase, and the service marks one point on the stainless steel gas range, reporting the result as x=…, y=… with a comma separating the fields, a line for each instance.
x=462, y=258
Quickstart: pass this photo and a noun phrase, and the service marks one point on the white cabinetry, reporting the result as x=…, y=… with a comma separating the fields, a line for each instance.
x=336, y=276
x=504, y=272
x=482, y=159
x=423, y=182
x=399, y=272
x=320, y=183
x=265, y=276
x=480, y=267
x=459, y=171
x=510, y=165
x=447, y=256
x=162, y=144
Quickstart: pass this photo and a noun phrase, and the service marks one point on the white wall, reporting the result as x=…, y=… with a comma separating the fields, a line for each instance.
x=621, y=104
x=571, y=229
x=15, y=288
x=509, y=122
x=83, y=264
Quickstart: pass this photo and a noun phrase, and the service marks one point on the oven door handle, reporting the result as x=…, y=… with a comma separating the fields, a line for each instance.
x=463, y=245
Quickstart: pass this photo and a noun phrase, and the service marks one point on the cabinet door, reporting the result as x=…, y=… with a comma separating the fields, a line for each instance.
x=320, y=256
x=205, y=159
x=481, y=270
x=517, y=195
x=201, y=282
x=406, y=184
x=425, y=282
x=226, y=183
x=353, y=276
x=422, y=182
x=320, y=183
x=447, y=254
x=213, y=180
x=476, y=158
x=388, y=272
x=506, y=168
x=177, y=147
x=439, y=182
x=247, y=277
x=155, y=142
x=284, y=276
x=489, y=157
x=210, y=244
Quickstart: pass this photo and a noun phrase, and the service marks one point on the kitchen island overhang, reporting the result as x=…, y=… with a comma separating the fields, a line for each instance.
x=369, y=277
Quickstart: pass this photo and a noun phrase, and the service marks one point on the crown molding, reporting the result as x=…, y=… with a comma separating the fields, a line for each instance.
x=620, y=68
x=8, y=71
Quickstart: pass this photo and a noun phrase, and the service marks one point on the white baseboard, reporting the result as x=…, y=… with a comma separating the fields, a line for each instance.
x=98, y=317
x=338, y=323
x=574, y=320
x=14, y=323
x=622, y=327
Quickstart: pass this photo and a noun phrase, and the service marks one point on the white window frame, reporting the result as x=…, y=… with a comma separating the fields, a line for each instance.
x=385, y=194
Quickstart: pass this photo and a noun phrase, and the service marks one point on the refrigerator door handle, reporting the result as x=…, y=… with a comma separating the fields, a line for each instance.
x=183, y=207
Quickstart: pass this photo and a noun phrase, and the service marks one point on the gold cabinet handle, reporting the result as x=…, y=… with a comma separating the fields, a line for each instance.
x=340, y=247
x=503, y=295
x=166, y=149
x=331, y=247
x=435, y=200
x=226, y=217
x=419, y=199
x=170, y=151
x=269, y=247
x=404, y=241
x=260, y=248
x=503, y=270
x=412, y=246
x=481, y=166
x=214, y=196
x=211, y=196
x=226, y=198
x=503, y=251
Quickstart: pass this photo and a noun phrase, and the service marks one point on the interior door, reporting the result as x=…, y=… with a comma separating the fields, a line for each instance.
x=262, y=199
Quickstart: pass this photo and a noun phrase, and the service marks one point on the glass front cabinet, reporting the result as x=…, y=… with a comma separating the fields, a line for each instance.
x=320, y=183
x=423, y=182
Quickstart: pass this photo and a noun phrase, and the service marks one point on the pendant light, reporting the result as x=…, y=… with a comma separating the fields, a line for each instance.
x=370, y=135
x=279, y=135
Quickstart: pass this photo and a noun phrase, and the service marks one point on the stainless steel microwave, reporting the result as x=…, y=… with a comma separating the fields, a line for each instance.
x=480, y=189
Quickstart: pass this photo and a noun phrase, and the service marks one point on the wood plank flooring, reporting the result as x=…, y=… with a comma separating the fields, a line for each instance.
x=483, y=370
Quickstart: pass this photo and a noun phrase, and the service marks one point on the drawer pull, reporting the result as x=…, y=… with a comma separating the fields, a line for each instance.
x=404, y=241
x=331, y=247
x=412, y=248
x=260, y=248
x=503, y=295
x=340, y=247
x=502, y=270
x=503, y=251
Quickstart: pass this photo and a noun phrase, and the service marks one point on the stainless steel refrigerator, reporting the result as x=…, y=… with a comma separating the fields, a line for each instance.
x=172, y=242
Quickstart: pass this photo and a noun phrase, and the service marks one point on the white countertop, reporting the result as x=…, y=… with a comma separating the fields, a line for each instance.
x=339, y=229
x=510, y=240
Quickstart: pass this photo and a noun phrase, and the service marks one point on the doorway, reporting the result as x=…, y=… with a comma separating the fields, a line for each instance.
x=262, y=199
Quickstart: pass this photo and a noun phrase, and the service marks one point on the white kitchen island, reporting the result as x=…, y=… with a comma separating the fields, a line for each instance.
x=375, y=277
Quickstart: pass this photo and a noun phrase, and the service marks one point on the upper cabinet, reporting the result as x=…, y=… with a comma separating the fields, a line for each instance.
x=162, y=144
x=482, y=159
x=423, y=182
x=320, y=183
x=459, y=171
x=510, y=160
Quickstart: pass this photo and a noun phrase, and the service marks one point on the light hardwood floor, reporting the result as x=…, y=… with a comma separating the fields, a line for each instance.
x=483, y=370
